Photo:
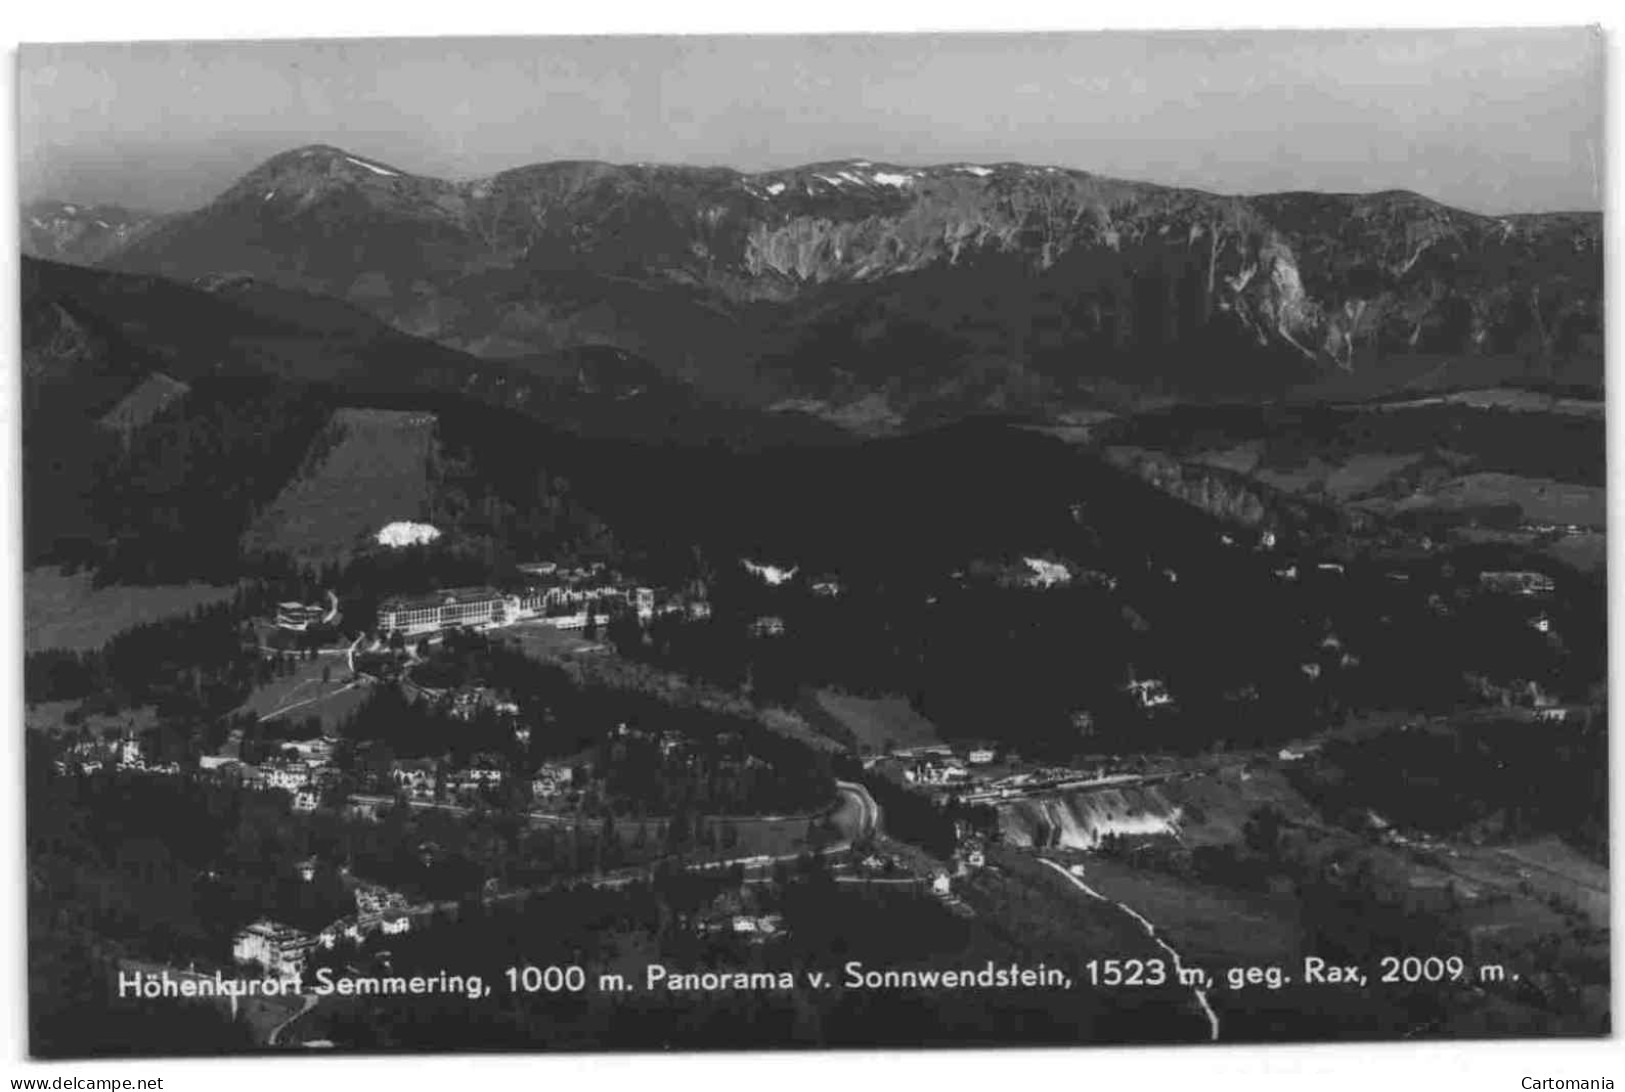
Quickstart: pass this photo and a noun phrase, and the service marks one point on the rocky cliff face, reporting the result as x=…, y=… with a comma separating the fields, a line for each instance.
x=855, y=277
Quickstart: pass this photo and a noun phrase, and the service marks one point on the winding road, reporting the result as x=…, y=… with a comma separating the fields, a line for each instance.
x=308, y=1002
x=868, y=810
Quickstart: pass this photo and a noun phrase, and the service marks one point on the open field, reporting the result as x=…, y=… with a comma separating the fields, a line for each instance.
x=375, y=473
x=1208, y=925
x=1551, y=865
x=1342, y=479
x=544, y=642
x=1507, y=398
x=1420, y=375
x=304, y=694
x=1541, y=500
x=1587, y=553
x=65, y=611
x=1364, y=473
x=877, y=724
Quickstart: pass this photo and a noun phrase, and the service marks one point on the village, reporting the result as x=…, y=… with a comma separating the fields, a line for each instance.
x=321, y=773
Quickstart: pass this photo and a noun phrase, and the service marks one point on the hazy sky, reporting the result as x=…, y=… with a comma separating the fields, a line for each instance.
x=1495, y=121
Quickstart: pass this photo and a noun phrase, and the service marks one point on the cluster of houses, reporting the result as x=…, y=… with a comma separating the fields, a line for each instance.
x=936, y=771
x=423, y=782
x=939, y=766
x=283, y=951
x=125, y=753
x=757, y=928
x=1555, y=528
x=1525, y=697
x=468, y=702
x=419, y=780
x=303, y=775
x=735, y=913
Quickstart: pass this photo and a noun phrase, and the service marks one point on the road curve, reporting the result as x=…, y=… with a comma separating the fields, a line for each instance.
x=308, y=1002
x=869, y=824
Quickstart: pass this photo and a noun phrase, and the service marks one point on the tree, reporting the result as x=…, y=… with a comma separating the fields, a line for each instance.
x=1263, y=829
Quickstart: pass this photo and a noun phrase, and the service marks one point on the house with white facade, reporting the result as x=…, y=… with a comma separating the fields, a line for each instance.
x=281, y=949
x=1149, y=694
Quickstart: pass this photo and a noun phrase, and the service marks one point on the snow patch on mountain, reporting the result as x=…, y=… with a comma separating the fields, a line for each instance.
x=373, y=167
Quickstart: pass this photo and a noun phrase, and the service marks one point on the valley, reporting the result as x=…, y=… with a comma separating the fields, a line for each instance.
x=915, y=567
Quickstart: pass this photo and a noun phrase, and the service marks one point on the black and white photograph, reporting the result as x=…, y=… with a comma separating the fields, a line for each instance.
x=764, y=542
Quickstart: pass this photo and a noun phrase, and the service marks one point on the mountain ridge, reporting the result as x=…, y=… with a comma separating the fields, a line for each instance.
x=843, y=279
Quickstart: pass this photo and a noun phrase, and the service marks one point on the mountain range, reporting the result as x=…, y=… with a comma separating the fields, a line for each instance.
x=873, y=294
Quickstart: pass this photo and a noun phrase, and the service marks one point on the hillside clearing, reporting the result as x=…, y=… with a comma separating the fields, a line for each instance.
x=877, y=724
x=374, y=471
x=304, y=694
x=1541, y=500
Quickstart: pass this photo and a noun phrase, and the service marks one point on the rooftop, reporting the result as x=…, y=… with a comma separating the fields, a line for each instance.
x=444, y=598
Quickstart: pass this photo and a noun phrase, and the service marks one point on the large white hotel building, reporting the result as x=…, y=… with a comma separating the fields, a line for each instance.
x=484, y=607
